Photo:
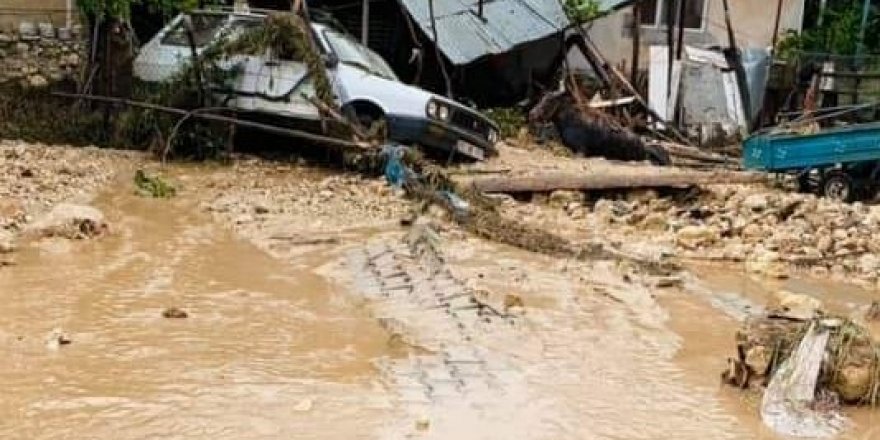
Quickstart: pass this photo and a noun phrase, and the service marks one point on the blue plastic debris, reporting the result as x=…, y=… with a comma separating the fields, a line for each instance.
x=396, y=173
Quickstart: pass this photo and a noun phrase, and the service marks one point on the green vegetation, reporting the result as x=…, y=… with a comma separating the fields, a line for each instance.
x=122, y=8
x=839, y=33
x=153, y=186
x=509, y=120
x=582, y=11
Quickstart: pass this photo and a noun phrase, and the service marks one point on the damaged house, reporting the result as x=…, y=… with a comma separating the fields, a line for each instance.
x=489, y=52
x=688, y=71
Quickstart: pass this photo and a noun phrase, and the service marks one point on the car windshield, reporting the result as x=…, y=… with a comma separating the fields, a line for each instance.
x=353, y=53
x=205, y=29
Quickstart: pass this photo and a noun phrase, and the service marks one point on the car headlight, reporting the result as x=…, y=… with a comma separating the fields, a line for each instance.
x=438, y=110
x=493, y=136
x=443, y=112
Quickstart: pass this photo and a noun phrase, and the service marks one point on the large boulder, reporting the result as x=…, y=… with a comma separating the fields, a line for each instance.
x=853, y=382
x=795, y=305
x=70, y=221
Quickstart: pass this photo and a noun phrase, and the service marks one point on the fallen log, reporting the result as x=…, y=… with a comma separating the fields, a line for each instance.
x=552, y=182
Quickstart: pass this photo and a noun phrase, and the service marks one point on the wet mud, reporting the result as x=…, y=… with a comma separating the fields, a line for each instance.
x=348, y=327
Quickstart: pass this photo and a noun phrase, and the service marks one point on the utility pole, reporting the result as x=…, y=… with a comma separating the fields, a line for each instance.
x=365, y=24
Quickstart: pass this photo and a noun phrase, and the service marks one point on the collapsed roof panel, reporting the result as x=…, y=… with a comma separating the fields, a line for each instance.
x=464, y=36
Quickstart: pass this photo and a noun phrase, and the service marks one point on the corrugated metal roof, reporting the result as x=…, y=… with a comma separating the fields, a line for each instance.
x=464, y=37
x=610, y=5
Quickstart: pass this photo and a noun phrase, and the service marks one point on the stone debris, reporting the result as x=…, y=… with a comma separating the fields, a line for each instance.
x=770, y=232
x=765, y=341
x=174, y=313
x=35, y=178
x=70, y=221
x=57, y=338
x=273, y=200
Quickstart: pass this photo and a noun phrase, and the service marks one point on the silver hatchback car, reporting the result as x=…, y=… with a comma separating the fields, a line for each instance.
x=363, y=83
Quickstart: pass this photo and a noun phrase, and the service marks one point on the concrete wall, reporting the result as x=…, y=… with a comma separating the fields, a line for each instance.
x=12, y=12
x=753, y=21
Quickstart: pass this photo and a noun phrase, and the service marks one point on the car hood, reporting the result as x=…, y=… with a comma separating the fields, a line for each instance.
x=394, y=97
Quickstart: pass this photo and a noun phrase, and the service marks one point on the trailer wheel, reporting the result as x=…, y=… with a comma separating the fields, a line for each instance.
x=839, y=186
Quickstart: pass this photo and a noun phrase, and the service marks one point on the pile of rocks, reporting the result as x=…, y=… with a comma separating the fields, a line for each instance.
x=34, y=178
x=770, y=232
x=259, y=194
x=36, y=58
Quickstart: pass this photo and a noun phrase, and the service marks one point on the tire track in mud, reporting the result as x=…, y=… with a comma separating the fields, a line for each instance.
x=587, y=368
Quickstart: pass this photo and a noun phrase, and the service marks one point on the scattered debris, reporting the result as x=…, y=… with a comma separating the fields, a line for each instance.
x=789, y=403
x=423, y=424
x=70, y=221
x=873, y=313
x=848, y=360
x=174, y=313
x=57, y=338
x=592, y=133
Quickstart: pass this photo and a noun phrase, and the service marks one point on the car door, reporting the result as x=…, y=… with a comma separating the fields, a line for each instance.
x=282, y=86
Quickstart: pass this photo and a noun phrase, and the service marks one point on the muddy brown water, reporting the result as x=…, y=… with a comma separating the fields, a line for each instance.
x=268, y=351
x=277, y=350
x=707, y=317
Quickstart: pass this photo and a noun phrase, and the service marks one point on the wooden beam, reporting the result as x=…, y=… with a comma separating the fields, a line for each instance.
x=549, y=182
x=274, y=129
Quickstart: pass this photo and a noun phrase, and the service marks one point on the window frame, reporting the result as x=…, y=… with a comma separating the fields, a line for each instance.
x=658, y=20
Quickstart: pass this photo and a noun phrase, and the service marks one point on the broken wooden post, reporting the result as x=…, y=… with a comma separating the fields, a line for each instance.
x=548, y=182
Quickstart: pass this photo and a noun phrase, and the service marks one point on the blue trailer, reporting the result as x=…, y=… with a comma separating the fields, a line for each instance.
x=841, y=163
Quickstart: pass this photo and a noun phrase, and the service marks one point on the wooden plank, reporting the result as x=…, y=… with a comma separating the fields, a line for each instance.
x=548, y=182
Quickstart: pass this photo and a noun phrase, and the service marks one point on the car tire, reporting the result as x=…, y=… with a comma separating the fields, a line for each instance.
x=839, y=186
x=364, y=115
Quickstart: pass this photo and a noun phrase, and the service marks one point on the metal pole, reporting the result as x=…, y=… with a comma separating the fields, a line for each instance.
x=682, y=5
x=365, y=24
x=865, y=12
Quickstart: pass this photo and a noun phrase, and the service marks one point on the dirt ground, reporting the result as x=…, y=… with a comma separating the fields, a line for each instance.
x=311, y=312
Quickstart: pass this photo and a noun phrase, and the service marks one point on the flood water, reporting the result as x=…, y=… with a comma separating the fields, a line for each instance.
x=275, y=350
x=708, y=315
x=268, y=351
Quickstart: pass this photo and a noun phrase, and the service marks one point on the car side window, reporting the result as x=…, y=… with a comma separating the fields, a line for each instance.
x=205, y=28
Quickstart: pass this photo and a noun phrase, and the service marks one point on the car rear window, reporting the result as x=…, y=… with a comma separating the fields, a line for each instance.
x=205, y=29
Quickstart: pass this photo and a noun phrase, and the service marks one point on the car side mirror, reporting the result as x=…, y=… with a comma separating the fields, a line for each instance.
x=330, y=60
